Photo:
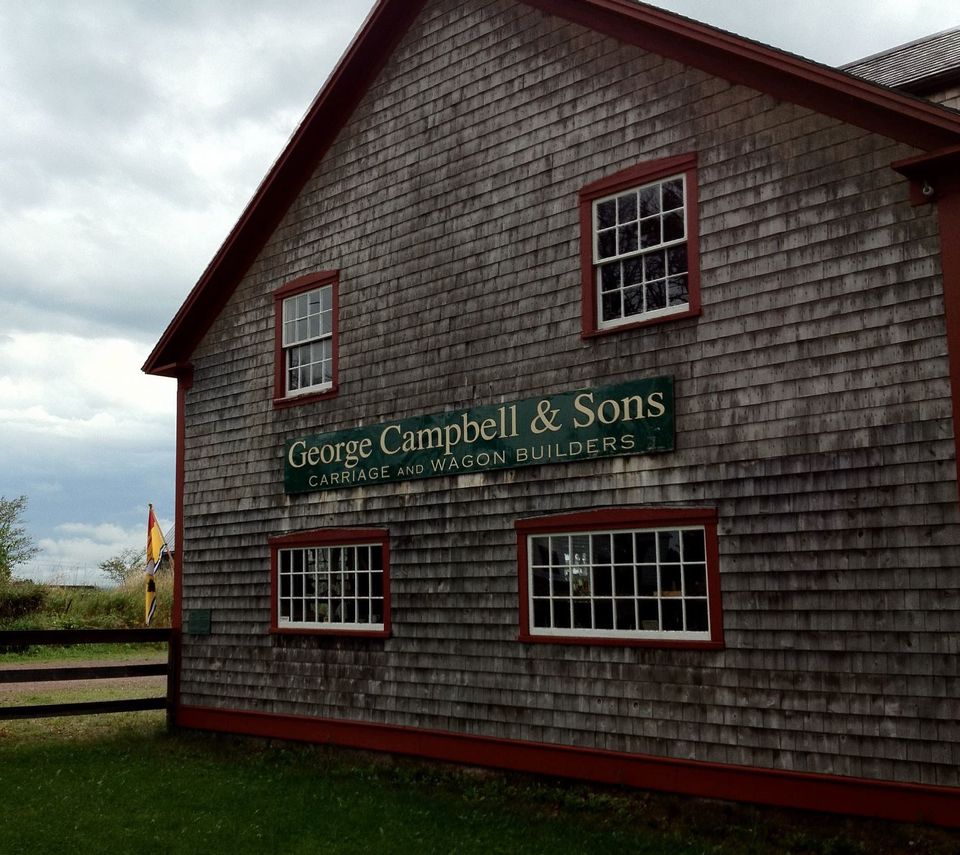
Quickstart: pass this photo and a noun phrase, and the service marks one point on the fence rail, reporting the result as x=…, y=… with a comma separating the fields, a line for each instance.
x=66, y=637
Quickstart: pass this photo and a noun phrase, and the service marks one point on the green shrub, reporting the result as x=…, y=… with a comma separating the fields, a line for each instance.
x=25, y=605
x=19, y=600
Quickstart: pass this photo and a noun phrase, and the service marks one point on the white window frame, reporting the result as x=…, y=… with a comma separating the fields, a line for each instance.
x=317, y=594
x=640, y=252
x=291, y=342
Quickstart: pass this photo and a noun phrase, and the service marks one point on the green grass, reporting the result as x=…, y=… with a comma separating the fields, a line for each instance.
x=122, y=784
x=40, y=654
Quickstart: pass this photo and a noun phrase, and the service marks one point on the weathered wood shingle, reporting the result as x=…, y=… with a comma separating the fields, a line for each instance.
x=813, y=411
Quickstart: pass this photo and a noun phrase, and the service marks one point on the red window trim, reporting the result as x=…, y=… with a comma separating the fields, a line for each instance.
x=624, y=518
x=298, y=286
x=625, y=179
x=329, y=537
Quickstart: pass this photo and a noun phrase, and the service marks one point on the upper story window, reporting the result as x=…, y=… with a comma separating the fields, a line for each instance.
x=331, y=581
x=306, y=313
x=638, y=249
x=633, y=576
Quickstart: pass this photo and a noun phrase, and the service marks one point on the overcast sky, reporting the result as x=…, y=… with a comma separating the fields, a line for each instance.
x=135, y=131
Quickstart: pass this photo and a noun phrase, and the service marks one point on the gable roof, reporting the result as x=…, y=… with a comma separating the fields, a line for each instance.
x=739, y=60
x=918, y=66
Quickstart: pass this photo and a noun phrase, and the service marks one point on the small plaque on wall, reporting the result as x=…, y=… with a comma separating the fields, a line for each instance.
x=198, y=622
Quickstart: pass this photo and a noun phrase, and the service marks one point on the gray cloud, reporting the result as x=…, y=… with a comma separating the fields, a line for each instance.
x=135, y=131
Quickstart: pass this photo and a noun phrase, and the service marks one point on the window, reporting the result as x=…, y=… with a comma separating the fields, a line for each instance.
x=331, y=581
x=306, y=339
x=639, y=241
x=643, y=576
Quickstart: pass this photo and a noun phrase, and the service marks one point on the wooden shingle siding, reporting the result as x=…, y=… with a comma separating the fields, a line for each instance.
x=813, y=411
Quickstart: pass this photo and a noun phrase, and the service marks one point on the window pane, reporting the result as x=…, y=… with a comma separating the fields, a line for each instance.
x=580, y=581
x=607, y=214
x=633, y=301
x=610, y=306
x=541, y=613
x=541, y=582
x=670, y=580
x=649, y=615
x=672, y=611
x=669, y=546
x=602, y=585
x=607, y=244
x=654, y=265
x=540, y=551
x=677, y=259
x=647, y=581
x=656, y=295
x=627, y=208
x=601, y=548
x=609, y=277
x=603, y=614
x=673, y=226
x=561, y=613
x=627, y=239
x=632, y=271
x=693, y=549
x=697, y=620
x=650, y=201
x=626, y=614
x=623, y=578
x=673, y=194
x=623, y=548
x=650, y=232
x=695, y=580
x=646, y=544
x=582, y=614
x=677, y=292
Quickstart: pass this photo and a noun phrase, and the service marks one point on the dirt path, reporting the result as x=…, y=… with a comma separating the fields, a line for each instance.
x=133, y=683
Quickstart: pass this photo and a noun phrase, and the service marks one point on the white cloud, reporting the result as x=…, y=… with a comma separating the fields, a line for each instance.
x=72, y=556
x=86, y=390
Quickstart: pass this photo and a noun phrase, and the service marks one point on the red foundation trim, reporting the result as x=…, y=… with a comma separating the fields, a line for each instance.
x=827, y=793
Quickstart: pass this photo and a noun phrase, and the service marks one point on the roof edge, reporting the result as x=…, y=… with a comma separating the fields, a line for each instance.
x=785, y=76
x=353, y=74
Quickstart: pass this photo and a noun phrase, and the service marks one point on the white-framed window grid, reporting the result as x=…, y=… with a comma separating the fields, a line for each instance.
x=640, y=252
x=331, y=587
x=308, y=341
x=637, y=583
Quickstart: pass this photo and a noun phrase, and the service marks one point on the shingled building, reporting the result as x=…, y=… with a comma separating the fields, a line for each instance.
x=579, y=394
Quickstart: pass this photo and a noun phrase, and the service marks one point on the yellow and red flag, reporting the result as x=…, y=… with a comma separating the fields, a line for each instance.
x=156, y=550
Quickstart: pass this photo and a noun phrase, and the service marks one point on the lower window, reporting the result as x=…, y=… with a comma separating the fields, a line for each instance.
x=643, y=576
x=332, y=580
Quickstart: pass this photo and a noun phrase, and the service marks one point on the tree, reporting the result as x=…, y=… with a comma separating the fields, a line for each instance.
x=127, y=564
x=16, y=546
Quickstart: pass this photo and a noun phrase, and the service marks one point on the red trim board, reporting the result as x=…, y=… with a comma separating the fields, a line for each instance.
x=827, y=793
x=935, y=178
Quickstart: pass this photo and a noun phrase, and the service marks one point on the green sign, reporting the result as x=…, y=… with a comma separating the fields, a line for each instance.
x=198, y=622
x=635, y=417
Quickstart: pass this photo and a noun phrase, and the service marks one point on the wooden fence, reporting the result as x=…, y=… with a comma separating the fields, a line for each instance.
x=22, y=638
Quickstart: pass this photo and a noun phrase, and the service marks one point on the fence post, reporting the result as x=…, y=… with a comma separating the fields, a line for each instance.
x=173, y=677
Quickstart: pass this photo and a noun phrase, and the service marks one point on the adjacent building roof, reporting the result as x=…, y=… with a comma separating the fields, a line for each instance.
x=783, y=75
x=919, y=66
